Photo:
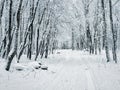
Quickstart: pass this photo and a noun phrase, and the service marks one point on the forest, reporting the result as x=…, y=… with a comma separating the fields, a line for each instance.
x=79, y=36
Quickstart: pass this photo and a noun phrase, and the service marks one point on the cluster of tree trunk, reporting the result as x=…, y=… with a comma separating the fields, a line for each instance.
x=96, y=39
x=26, y=38
x=30, y=27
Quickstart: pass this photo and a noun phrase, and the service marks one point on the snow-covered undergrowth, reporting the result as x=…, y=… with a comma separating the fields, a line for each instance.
x=67, y=70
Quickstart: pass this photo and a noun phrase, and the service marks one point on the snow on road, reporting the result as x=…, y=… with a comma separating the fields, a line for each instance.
x=90, y=84
x=69, y=70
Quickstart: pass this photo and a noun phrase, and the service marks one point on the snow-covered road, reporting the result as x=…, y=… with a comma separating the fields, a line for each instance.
x=69, y=70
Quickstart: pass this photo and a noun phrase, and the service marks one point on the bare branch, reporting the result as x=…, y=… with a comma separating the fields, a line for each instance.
x=115, y=3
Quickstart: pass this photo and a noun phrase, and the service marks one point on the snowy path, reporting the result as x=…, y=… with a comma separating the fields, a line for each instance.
x=70, y=75
x=67, y=71
x=89, y=81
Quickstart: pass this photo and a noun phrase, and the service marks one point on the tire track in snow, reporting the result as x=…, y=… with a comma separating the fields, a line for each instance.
x=68, y=76
x=90, y=84
x=89, y=76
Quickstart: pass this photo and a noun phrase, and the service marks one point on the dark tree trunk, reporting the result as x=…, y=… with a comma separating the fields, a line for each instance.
x=30, y=37
x=114, y=33
x=1, y=10
x=105, y=32
x=14, y=51
x=89, y=39
x=99, y=41
x=9, y=30
x=23, y=46
x=73, y=39
x=42, y=48
x=29, y=54
x=47, y=45
x=38, y=47
x=10, y=58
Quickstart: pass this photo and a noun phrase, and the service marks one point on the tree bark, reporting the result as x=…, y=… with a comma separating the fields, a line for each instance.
x=14, y=50
x=9, y=30
x=73, y=39
x=23, y=45
x=114, y=34
x=105, y=38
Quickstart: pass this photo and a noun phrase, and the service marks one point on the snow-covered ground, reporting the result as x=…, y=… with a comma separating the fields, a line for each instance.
x=67, y=70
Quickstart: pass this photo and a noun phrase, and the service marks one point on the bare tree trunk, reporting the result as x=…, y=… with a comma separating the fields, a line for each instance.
x=87, y=27
x=42, y=48
x=114, y=33
x=47, y=45
x=99, y=41
x=23, y=45
x=14, y=50
x=95, y=40
x=30, y=37
x=73, y=39
x=1, y=10
x=37, y=45
x=37, y=41
x=105, y=38
x=29, y=54
x=9, y=30
x=89, y=38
